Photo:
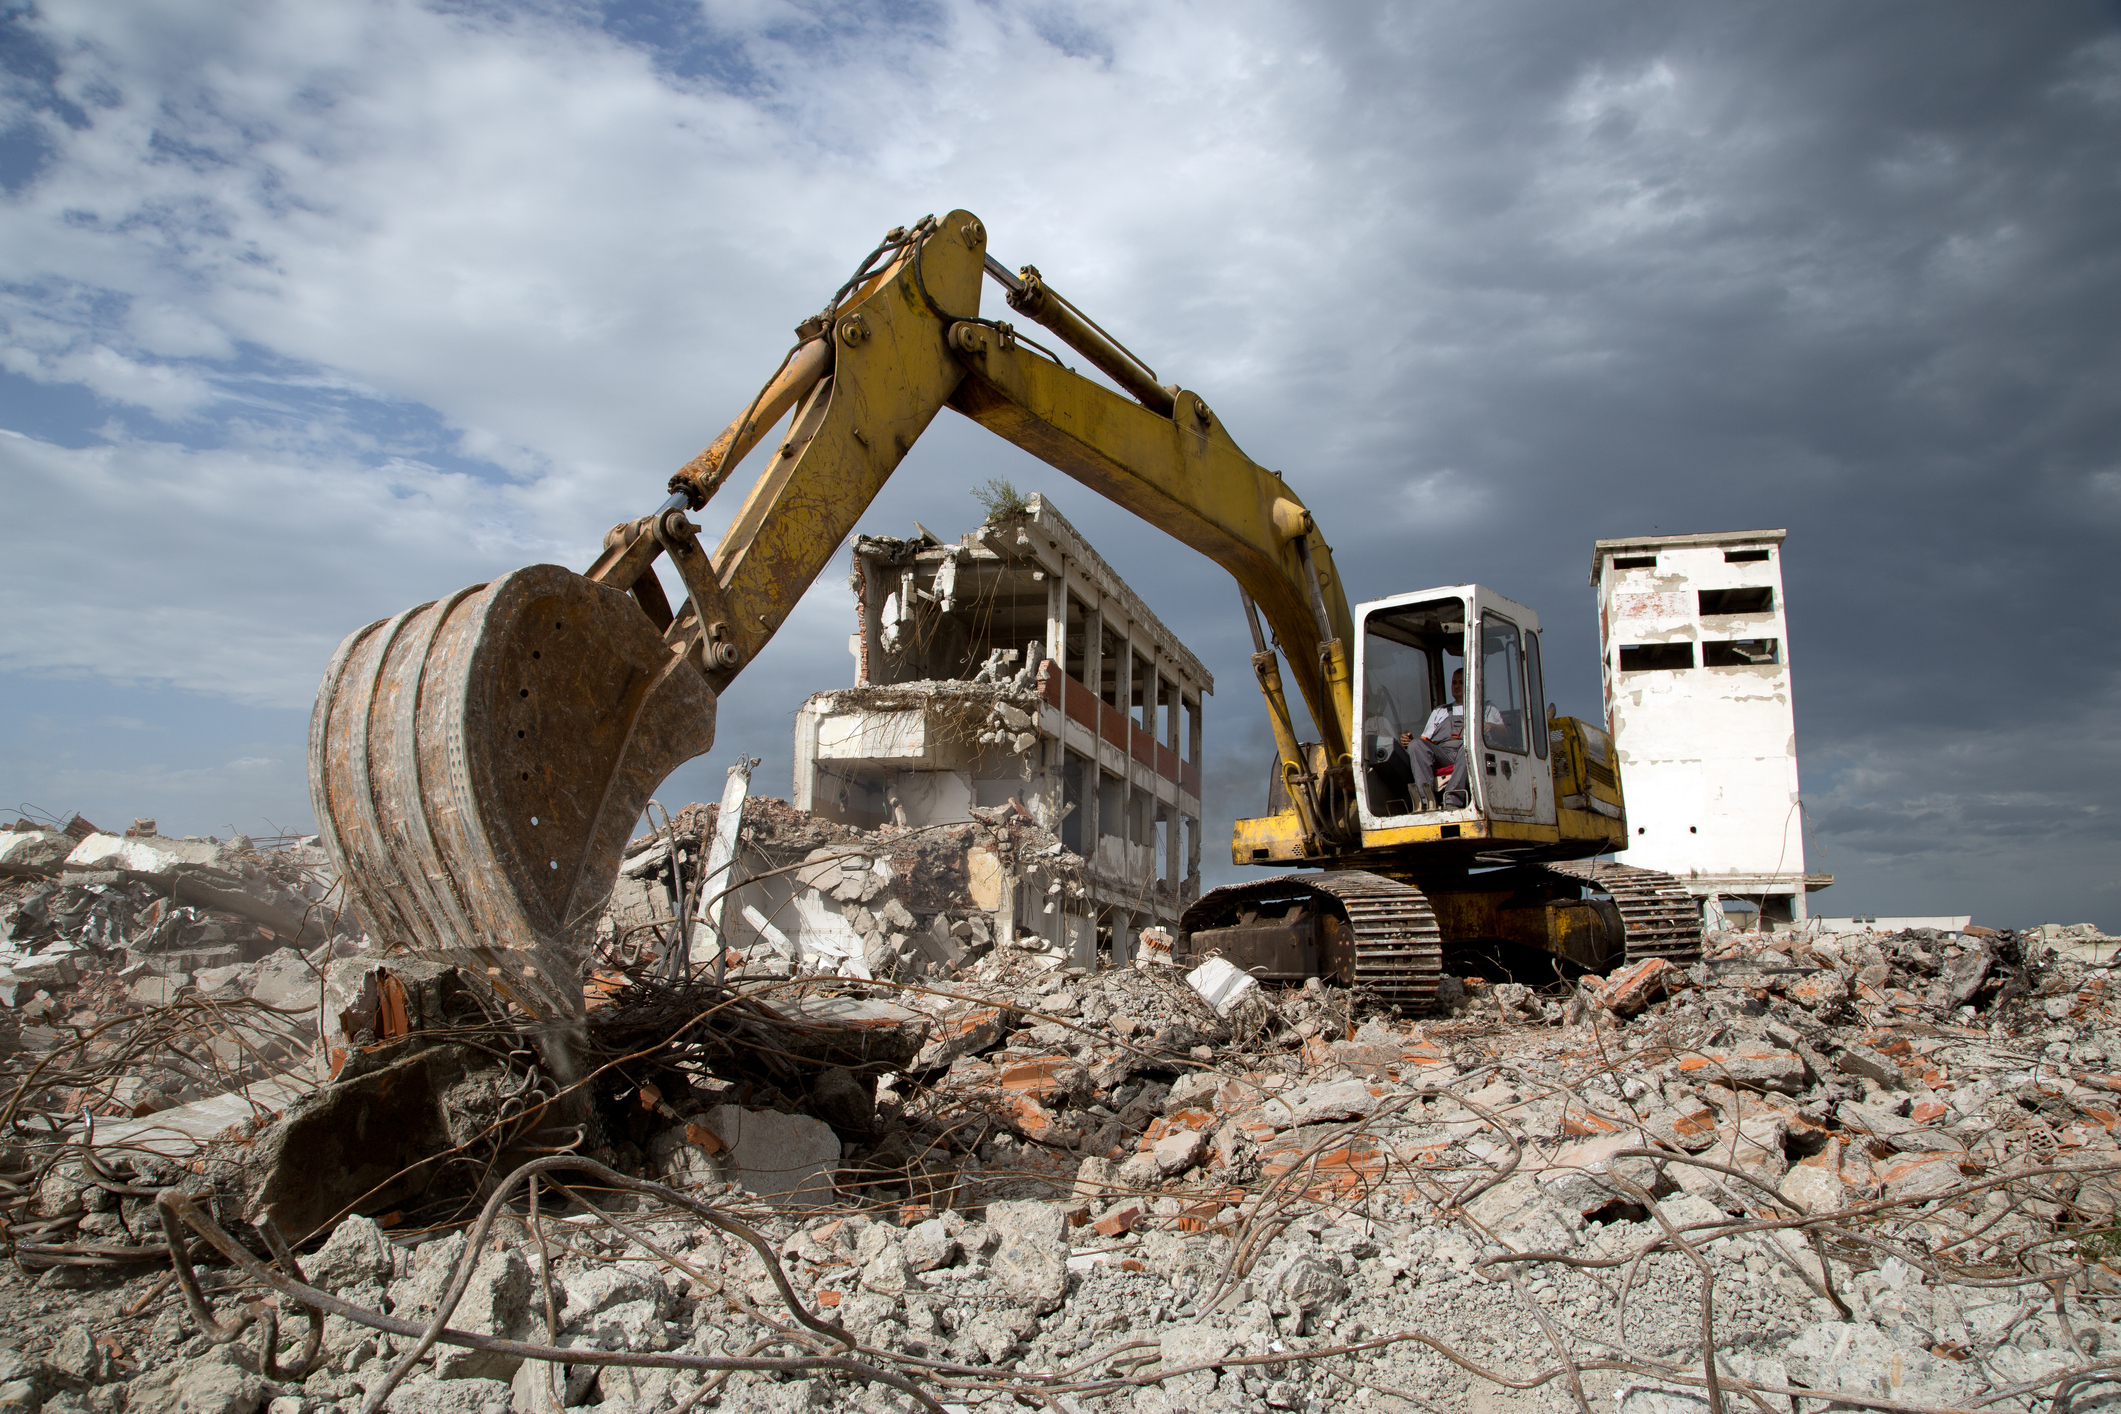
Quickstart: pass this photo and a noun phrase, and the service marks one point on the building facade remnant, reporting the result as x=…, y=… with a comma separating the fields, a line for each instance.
x=1696, y=668
x=1016, y=669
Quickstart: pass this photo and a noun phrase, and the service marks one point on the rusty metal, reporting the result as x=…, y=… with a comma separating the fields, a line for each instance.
x=1034, y=298
x=701, y=477
x=478, y=763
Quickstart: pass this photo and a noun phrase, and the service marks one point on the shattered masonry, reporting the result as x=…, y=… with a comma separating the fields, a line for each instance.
x=1017, y=666
x=1696, y=666
x=1860, y=1170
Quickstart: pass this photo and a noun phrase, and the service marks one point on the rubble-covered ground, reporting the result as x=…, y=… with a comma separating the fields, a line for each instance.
x=1866, y=1171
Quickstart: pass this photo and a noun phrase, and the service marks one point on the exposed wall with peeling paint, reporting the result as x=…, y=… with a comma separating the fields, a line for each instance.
x=1696, y=668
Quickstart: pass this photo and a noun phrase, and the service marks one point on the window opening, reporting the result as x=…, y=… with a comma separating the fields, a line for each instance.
x=1539, y=694
x=1078, y=641
x=1501, y=685
x=1111, y=803
x=1656, y=657
x=1740, y=652
x=1634, y=562
x=1744, y=557
x=1752, y=599
x=1071, y=830
x=1112, y=657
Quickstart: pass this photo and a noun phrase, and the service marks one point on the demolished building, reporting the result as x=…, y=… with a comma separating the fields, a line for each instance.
x=1696, y=668
x=1015, y=669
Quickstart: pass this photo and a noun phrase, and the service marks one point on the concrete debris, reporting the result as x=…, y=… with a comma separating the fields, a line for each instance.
x=1101, y=1187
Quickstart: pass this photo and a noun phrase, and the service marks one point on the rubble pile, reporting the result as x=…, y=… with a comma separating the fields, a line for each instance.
x=1877, y=1171
x=98, y=927
x=905, y=903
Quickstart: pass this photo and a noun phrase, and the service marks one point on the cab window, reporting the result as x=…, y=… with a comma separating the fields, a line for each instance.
x=1502, y=685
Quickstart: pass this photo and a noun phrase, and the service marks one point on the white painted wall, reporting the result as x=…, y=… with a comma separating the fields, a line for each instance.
x=1708, y=755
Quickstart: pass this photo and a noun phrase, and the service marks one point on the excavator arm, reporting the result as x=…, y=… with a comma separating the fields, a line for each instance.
x=478, y=763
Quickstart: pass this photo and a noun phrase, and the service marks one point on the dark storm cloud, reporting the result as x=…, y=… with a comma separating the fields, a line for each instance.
x=1852, y=272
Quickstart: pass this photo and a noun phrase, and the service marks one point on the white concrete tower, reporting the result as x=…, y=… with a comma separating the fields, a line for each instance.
x=1696, y=665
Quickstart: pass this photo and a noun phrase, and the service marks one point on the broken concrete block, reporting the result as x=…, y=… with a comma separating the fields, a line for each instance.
x=788, y=1160
x=1220, y=984
x=1096, y=1178
x=226, y=983
x=495, y=1303
x=606, y=1287
x=1633, y=988
x=1318, y=1104
x=1307, y=1283
x=1181, y=1346
x=1749, y=1066
x=1178, y=1151
x=50, y=968
x=1196, y=1088
x=285, y=979
x=963, y=1030
x=928, y=1245
x=1032, y=1255
x=356, y=1254
x=1858, y=1059
x=1825, y=993
x=941, y=947
x=1689, y=1125
x=209, y=875
x=1580, y=1177
x=1139, y=1171
x=1754, y=1147
x=896, y=915
x=154, y=990
x=76, y=1355
x=883, y=1262
x=1814, y=1189
x=33, y=853
x=1920, y=1175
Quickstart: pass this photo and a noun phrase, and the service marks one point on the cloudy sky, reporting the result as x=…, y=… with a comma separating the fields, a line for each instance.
x=309, y=312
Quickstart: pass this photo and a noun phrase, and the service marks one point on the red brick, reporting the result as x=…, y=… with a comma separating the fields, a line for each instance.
x=1119, y=1221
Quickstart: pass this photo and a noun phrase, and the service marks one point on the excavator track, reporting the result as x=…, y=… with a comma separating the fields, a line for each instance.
x=1662, y=918
x=1398, y=946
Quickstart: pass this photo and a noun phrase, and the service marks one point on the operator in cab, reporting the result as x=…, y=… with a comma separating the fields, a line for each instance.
x=1440, y=742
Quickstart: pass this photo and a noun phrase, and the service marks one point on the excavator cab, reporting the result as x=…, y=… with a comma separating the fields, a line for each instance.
x=1409, y=650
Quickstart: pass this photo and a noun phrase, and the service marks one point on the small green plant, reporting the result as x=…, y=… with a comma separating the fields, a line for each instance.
x=1001, y=499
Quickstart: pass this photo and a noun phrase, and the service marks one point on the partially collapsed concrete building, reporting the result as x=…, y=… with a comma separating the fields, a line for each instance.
x=1699, y=702
x=1015, y=665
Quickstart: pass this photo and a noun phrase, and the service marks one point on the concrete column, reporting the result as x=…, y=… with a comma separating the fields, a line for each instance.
x=1093, y=673
x=1192, y=849
x=1057, y=616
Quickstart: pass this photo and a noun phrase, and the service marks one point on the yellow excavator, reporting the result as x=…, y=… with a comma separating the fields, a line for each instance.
x=478, y=763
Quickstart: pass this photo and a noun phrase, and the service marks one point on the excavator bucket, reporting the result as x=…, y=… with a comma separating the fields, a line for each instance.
x=478, y=763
